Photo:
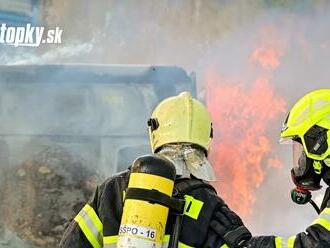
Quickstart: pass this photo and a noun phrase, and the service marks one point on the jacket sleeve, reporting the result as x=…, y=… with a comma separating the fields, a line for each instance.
x=97, y=223
x=316, y=236
x=86, y=229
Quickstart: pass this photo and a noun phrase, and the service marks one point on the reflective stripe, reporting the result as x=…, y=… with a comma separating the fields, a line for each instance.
x=110, y=241
x=325, y=214
x=166, y=240
x=278, y=242
x=324, y=219
x=326, y=211
x=192, y=207
x=322, y=222
x=285, y=243
x=291, y=241
x=165, y=245
x=90, y=225
x=110, y=245
x=182, y=245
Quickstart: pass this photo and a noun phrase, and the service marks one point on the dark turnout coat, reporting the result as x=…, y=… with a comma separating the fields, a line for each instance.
x=97, y=224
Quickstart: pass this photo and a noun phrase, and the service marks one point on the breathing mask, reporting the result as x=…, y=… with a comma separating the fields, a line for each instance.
x=306, y=175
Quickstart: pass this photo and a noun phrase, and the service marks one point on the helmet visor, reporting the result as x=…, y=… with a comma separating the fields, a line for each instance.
x=299, y=159
x=286, y=141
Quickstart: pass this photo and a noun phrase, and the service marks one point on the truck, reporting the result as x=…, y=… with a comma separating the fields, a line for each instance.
x=63, y=130
x=19, y=12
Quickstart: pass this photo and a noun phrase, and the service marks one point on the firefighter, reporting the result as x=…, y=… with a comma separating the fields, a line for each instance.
x=180, y=131
x=307, y=128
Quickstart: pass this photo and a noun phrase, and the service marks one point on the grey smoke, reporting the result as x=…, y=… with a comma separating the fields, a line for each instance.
x=197, y=35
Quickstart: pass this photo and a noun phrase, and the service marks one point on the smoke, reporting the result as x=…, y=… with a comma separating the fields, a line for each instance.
x=278, y=48
x=74, y=49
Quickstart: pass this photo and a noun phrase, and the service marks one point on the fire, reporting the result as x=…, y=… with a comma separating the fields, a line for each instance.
x=268, y=53
x=243, y=113
x=275, y=163
x=267, y=57
x=241, y=148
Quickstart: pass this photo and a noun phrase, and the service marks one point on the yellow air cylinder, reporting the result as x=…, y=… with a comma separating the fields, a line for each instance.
x=143, y=221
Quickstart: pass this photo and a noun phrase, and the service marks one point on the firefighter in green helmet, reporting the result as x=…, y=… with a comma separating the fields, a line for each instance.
x=307, y=128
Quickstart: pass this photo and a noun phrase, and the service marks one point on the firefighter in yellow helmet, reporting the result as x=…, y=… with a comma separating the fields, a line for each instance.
x=307, y=128
x=180, y=132
x=180, y=128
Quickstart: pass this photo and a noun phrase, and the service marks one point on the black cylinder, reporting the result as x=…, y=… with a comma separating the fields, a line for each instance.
x=155, y=165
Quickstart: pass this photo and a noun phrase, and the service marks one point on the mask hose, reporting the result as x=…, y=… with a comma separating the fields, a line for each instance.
x=317, y=209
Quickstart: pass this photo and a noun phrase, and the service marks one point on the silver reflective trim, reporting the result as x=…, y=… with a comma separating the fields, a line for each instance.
x=110, y=245
x=325, y=216
x=88, y=221
x=284, y=243
x=165, y=245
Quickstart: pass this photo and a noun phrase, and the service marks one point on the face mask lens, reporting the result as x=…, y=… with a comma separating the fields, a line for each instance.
x=299, y=159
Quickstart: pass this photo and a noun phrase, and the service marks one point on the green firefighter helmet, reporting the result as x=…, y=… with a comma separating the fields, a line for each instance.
x=180, y=119
x=308, y=122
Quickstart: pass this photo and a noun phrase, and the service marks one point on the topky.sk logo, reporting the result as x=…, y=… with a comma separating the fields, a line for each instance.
x=29, y=35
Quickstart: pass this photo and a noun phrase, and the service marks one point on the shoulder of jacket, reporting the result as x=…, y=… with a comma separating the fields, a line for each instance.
x=120, y=178
x=187, y=186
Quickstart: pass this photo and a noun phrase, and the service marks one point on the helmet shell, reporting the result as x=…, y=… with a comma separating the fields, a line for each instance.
x=310, y=112
x=180, y=119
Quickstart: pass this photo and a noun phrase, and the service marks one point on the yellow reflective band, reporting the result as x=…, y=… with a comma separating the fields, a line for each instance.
x=317, y=167
x=96, y=221
x=182, y=245
x=324, y=219
x=91, y=226
x=285, y=243
x=192, y=207
x=322, y=222
x=110, y=240
x=291, y=241
x=326, y=211
x=224, y=246
x=278, y=242
x=166, y=238
x=87, y=232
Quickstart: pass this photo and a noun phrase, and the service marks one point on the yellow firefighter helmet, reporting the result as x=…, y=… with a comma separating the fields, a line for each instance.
x=309, y=123
x=180, y=119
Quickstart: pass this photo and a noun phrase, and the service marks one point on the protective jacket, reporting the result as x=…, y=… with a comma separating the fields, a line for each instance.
x=97, y=224
x=316, y=236
x=227, y=225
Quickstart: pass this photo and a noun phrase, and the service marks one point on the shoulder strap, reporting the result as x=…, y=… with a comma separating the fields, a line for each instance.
x=186, y=185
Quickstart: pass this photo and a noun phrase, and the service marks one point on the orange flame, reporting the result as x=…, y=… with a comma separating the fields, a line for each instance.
x=268, y=54
x=266, y=57
x=275, y=163
x=241, y=118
